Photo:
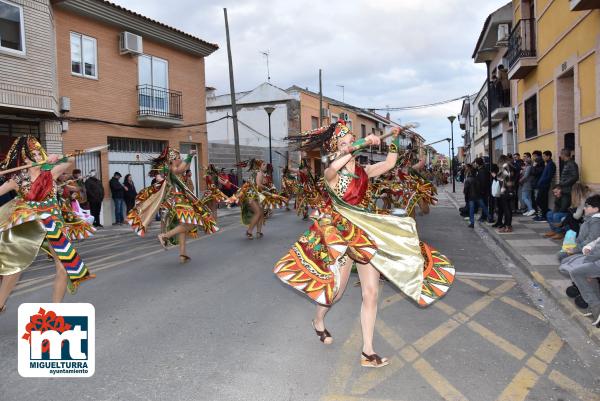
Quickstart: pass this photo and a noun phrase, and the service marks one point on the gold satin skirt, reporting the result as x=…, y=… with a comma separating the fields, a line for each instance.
x=21, y=236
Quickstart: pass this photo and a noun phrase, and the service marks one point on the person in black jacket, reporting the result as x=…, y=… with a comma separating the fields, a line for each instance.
x=472, y=192
x=570, y=172
x=95, y=196
x=130, y=193
x=118, y=194
x=558, y=213
x=482, y=173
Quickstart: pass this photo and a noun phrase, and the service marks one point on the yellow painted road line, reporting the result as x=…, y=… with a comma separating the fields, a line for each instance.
x=391, y=300
x=441, y=305
x=349, y=358
x=339, y=397
x=572, y=387
x=525, y=379
x=525, y=308
x=549, y=347
x=502, y=288
x=478, y=305
x=498, y=341
x=436, y=335
x=473, y=284
x=389, y=335
x=438, y=382
x=520, y=386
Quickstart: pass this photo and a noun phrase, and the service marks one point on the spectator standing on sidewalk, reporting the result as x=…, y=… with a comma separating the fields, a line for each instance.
x=518, y=167
x=543, y=186
x=570, y=172
x=482, y=174
x=526, y=185
x=506, y=176
x=95, y=195
x=537, y=168
x=130, y=194
x=117, y=191
x=558, y=214
x=473, y=194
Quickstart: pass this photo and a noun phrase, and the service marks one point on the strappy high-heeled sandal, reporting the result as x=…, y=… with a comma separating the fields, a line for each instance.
x=373, y=361
x=184, y=259
x=249, y=235
x=162, y=240
x=323, y=335
x=3, y=309
x=259, y=234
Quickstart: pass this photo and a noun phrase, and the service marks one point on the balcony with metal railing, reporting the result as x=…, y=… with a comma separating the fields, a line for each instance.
x=499, y=104
x=581, y=5
x=159, y=106
x=521, y=54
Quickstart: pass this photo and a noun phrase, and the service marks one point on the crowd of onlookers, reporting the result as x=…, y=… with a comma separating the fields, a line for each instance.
x=516, y=185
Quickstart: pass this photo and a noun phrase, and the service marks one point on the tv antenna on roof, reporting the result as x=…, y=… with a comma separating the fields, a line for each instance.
x=266, y=54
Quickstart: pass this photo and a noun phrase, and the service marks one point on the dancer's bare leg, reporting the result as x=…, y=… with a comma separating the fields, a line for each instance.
x=181, y=237
x=260, y=221
x=369, y=283
x=8, y=283
x=322, y=310
x=256, y=215
x=60, y=280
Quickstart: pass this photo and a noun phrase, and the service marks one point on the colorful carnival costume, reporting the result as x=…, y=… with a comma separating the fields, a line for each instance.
x=212, y=192
x=169, y=195
x=249, y=191
x=347, y=226
x=34, y=220
x=78, y=223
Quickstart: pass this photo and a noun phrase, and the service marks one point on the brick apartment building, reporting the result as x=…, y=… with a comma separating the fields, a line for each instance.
x=134, y=81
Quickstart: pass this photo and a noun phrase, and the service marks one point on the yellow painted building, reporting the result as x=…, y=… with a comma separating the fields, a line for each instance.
x=554, y=56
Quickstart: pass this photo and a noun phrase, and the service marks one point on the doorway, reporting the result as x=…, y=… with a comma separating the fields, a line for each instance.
x=565, y=112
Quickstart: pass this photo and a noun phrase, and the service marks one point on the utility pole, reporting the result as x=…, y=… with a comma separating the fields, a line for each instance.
x=342, y=86
x=452, y=118
x=489, y=135
x=236, y=135
x=320, y=99
x=266, y=54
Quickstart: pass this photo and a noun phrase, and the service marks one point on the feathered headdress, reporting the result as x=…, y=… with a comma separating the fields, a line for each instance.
x=167, y=156
x=22, y=150
x=324, y=137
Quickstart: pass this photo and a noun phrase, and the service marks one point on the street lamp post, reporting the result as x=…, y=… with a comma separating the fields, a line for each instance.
x=269, y=110
x=452, y=118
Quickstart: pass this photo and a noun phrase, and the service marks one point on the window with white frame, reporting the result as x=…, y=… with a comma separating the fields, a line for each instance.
x=84, y=56
x=12, y=32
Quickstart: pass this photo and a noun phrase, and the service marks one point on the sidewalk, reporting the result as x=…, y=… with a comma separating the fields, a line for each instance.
x=534, y=254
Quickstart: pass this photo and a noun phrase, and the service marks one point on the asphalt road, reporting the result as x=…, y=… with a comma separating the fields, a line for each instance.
x=224, y=328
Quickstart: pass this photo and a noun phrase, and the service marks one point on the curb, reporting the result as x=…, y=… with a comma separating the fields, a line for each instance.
x=564, y=303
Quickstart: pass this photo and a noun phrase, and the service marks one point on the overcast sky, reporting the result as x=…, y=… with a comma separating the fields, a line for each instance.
x=384, y=52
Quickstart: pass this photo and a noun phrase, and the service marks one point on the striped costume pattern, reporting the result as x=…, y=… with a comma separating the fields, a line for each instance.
x=76, y=269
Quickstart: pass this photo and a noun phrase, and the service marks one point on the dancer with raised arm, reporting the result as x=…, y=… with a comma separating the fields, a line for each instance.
x=347, y=230
x=33, y=221
x=182, y=211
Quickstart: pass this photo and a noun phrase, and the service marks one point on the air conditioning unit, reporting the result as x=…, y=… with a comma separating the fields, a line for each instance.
x=130, y=43
x=64, y=104
x=503, y=32
x=325, y=113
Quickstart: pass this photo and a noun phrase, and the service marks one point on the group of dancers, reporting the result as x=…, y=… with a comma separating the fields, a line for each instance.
x=362, y=217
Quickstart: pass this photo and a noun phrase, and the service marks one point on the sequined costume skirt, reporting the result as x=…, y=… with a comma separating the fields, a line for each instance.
x=389, y=243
